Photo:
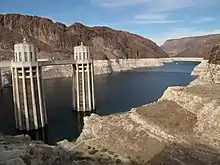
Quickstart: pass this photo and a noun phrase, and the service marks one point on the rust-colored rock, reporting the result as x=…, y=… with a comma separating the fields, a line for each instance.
x=58, y=40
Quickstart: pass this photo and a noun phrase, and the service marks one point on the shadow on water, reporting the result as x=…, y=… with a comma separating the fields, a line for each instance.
x=37, y=135
x=80, y=121
x=7, y=118
x=43, y=133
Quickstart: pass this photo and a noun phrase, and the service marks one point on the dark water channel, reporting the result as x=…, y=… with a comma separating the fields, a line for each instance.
x=114, y=93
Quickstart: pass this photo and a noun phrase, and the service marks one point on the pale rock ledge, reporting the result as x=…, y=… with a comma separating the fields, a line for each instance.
x=204, y=102
x=161, y=132
x=104, y=66
x=207, y=73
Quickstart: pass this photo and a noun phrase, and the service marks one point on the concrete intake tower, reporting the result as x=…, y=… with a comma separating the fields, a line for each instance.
x=28, y=93
x=83, y=80
x=27, y=84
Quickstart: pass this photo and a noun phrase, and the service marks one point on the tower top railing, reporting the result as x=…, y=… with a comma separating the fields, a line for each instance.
x=81, y=52
x=24, y=52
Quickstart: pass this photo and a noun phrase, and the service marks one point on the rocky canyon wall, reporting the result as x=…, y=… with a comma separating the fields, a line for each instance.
x=57, y=40
x=199, y=46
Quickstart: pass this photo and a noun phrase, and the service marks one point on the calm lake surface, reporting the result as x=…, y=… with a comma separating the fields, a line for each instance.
x=118, y=92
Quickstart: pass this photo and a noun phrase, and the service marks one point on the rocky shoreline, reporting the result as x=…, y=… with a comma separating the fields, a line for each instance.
x=101, y=67
x=104, y=66
x=207, y=73
x=113, y=65
x=181, y=128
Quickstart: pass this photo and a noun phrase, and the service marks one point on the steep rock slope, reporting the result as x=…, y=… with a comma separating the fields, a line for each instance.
x=208, y=71
x=214, y=55
x=58, y=40
x=163, y=132
x=191, y=46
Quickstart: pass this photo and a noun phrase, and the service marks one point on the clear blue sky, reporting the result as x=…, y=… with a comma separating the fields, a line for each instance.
x=154, y=19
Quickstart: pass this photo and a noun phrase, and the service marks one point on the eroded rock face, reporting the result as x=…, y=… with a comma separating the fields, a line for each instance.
x=58, y=40
x=159, y=133
x=214, y=55
x=207, y=73
x=204, y=102
x=191, y=46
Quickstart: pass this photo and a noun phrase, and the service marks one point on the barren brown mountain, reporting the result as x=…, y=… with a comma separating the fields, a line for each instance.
x=191, y=46
x=58, y=40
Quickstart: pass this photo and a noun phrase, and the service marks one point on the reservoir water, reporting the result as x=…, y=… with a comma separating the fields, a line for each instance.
x=118, y=92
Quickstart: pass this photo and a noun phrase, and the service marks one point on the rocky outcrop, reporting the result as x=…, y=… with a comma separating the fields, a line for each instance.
x=191, y=46
x=203, y=101
x=159, y=133
x=57, y=40
x=206, y=73
x=214, y=55
x=20, y=150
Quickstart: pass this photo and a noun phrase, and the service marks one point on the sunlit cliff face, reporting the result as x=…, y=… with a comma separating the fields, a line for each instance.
x=191, y=46
x=214, y=55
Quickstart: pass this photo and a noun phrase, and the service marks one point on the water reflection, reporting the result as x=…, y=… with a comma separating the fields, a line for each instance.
x=43, y=133
x=37, y=135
